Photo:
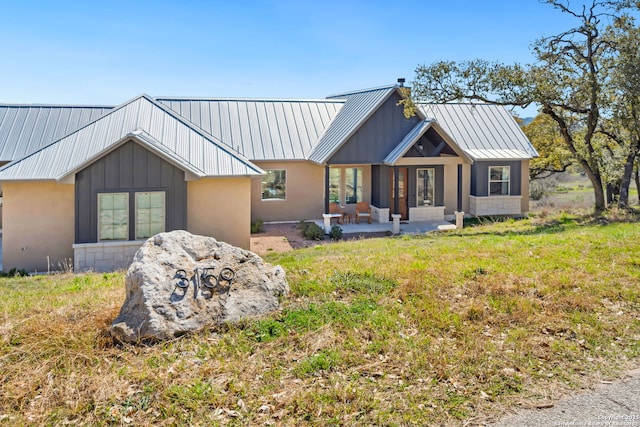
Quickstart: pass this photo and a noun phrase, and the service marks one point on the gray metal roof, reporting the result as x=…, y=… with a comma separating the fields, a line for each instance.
x=145, y=120
x=496, y=154
x=414, y=135
x=407, y=142
x=484, y=131
x=357, y=109
x=260, y=129
x=27, y=128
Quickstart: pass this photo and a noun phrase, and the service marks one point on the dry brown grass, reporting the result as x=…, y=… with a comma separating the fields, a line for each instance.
x=448, y=329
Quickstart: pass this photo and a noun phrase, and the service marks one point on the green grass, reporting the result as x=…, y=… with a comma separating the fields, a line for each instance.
x=440, y=329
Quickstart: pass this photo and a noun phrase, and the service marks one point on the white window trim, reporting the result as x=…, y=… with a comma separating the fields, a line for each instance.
x=433, y=202
x=98, y=219
x=135, y=207
x=286, y=186
x=508, y=181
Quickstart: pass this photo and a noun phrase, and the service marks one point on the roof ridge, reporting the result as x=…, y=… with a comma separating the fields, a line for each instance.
x=460, y=103
x=54, y=105
x=358, y=91
x=178, y=98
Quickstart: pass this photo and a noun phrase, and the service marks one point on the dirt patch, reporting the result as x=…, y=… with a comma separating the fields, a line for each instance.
x=279, y=238
x=287, y=236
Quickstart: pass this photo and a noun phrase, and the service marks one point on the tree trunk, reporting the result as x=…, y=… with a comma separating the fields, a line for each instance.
x=623, y=201
x=637, y=179
x=596, y=182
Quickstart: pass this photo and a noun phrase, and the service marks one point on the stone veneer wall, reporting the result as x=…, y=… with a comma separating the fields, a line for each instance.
x=379, y=214
x=426, y=213
x=104, y=256
x=495, y=205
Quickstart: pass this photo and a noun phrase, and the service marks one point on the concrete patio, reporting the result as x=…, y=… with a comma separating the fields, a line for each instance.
x=416, y=227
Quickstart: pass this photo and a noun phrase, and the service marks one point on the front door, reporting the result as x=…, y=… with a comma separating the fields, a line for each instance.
x=402, y=192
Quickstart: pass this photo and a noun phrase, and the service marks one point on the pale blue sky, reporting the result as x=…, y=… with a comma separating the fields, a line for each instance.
x=105, y=52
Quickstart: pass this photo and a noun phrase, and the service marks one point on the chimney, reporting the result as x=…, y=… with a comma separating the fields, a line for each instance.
x=401, y=81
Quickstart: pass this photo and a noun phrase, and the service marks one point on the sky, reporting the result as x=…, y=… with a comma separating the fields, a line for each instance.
x=106, y=52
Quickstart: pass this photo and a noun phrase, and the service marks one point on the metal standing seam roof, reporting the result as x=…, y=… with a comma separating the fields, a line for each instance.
x=261, y=129
x=359, y=106
x=484, y=131
x=179, y=141
x=27, y=128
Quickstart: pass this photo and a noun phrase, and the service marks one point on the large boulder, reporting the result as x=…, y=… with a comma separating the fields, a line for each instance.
x=179, y=282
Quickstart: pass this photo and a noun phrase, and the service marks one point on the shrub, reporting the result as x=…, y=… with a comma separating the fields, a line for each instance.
x=541, y=187
x=336, y=232
x=311, y=231
x=14, y=272
x=257, y=226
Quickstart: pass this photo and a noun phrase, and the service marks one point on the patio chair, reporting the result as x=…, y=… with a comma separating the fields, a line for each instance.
x=363, y=210
x=336, y=212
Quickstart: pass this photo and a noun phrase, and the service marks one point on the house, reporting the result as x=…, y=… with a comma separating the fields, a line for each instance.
x=91, y=183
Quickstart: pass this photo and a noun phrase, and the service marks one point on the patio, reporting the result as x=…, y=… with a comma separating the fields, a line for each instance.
x=285, y=236
x=415, y=227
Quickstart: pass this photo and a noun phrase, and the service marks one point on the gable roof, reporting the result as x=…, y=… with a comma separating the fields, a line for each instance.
x=151, y=124
x=27, y=128
x=359, y=106
x=414, y=135
x=261, y=129
x=483, y=131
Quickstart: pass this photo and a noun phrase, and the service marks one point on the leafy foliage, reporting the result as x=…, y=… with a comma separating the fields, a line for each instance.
x=576, y=82
x=336, y=232
x=311, y=230
x=257, y=226
x=545, y=136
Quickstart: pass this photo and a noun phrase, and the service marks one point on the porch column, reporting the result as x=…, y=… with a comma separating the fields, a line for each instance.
x=459, y=187
x=396, y=190
x=326, y=189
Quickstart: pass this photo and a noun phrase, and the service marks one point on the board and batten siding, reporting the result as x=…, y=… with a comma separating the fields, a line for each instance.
x=377, y=137
x=480, y=177
x=129, y=168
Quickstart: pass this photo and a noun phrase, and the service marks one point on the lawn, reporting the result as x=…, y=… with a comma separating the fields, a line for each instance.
x=440, y=329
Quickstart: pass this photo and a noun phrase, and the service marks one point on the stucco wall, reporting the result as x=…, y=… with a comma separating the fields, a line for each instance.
x=220, y=208
x=525, y=187
x=38, y=223
x=304, y=198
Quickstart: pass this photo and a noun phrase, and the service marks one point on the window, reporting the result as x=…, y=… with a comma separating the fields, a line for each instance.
x=335, y=175
x=345, y=185
x=499, y=180
x=150, y=214
x=113, y=216
x=274, y=184
x=426, y=189
x=353, y=185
